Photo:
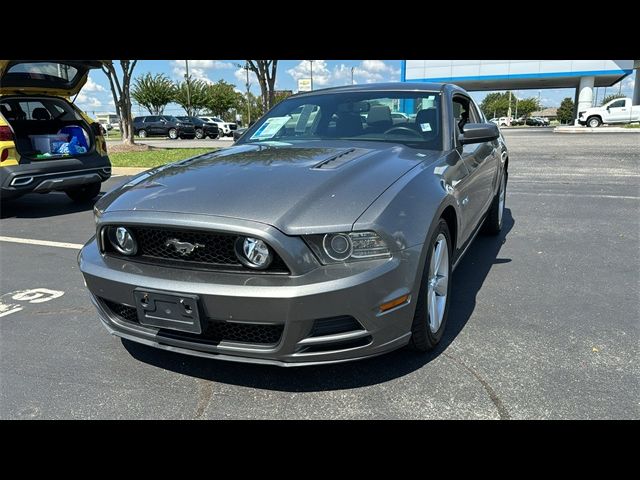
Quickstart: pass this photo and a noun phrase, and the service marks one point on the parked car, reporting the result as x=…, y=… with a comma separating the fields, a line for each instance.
x=46, y=142
x=501, y=122
x=238, y=133
x=226, y=128
x=163, y=126
x=321, y=241
x=543, y=121
x=620, y=110
x=202, y=128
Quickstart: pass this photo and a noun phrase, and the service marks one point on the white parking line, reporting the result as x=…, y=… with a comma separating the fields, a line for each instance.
x=45, y=243
x=585, y=195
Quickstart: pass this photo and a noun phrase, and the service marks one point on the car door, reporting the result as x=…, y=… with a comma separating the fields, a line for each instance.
x=617, y=111
x=481, y=161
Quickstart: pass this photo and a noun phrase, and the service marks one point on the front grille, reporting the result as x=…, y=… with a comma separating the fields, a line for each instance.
x=217, y=250
x=215, y=331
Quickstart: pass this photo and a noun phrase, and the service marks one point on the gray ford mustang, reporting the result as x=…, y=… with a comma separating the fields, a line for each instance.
x=327, y=233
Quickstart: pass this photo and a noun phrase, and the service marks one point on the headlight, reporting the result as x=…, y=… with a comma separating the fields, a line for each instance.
x=179, y=124
x=253, y=253
x=347, y=247
x=122, y=240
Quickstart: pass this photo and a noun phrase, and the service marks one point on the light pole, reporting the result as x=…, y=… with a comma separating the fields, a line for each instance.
x=186, y=76
x=509, y=109
x=248, y=86
x=311, y=72
x=352, y=69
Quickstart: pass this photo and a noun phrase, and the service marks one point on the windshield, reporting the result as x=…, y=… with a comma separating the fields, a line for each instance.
x=364, y=115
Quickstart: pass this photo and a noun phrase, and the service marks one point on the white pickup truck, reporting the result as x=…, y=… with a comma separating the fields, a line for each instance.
x=619, y=110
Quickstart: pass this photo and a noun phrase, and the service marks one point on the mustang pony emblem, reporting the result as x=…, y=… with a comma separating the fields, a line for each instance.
x=183, y=248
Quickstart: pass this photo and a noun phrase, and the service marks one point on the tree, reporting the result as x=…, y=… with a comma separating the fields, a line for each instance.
x=613, y=96
x=192, y=96
x=153, y=92
x=255, y=107
x=565, y=112
x=265, y=71
x=120, y=90
x=527, y=105
x=497, y=105
x=281, y=95
x=221, y=97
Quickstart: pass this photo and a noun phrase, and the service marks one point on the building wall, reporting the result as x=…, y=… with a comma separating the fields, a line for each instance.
x=452, y=70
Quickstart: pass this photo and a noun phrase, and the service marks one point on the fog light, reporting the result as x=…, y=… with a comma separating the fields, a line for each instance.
x=123, y=240
x=253, y=253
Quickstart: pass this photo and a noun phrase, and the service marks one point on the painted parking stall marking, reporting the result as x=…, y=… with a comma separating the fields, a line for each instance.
x=34, y=295
x=45, y=243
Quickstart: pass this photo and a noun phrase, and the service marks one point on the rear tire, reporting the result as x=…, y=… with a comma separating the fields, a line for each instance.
x=430, y=319
x=84, y=193
x=493, y=222
x=199, y=134
x=142, y=133
x=173, y=133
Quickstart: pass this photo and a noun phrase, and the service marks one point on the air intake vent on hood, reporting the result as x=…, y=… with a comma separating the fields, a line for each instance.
x=340, y=158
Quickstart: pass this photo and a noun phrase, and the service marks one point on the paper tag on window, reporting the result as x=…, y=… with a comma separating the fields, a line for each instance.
x=270, y=127
x=425, y=127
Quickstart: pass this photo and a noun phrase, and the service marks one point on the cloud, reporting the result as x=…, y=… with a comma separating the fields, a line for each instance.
x=87, y=101
x=369, y=71
x=92, y=86
x=198, y=69
x=321, y=73
x=241, y=77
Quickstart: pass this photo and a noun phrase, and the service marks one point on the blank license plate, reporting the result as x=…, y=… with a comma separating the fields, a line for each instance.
x=168, y=310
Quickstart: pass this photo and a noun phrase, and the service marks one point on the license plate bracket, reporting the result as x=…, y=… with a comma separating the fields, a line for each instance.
x=174, y=311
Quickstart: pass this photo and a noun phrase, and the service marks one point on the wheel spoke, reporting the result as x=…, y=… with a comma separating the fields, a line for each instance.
x=441, y=286
x=437, y=253
x=434, y=321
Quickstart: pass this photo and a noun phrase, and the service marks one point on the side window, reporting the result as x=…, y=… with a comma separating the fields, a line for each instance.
x=617, y=104
x=476, y=116
x=150, y=119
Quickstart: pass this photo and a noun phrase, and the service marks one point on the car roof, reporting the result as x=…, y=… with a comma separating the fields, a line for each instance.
x=388, y=86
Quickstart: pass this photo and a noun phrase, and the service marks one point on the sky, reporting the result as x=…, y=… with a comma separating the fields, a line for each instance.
x=95, y=97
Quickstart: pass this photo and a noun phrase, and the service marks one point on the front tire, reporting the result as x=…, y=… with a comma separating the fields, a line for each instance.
x=493, y=222
x=199, y=134
x=432, y=306
x=142, y=133
x=84, y=193
x=594, y=122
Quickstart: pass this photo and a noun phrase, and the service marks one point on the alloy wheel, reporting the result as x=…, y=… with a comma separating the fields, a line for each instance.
x=438, y=285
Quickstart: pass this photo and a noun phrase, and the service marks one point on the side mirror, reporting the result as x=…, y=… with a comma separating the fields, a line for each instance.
x=479, y=133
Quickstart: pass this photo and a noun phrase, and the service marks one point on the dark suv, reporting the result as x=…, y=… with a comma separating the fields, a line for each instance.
x=203, y=129
x=163, y=126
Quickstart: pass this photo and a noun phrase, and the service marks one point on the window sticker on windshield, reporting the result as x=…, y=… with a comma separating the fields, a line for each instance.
x=425, y=127
x=270, y=127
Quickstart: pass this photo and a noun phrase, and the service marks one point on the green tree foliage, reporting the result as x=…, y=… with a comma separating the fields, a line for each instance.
x=153, y=92
x=526, y=106
x=221, y=97
x=613, y=96
x=565, y=112
x=193, y=99
x=281, y=95
x=497, y=105
x=255, y=108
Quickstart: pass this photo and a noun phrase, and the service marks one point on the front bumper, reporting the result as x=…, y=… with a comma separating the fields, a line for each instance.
x=294, y=302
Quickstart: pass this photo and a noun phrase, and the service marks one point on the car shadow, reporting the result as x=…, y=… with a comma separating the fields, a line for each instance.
x=36, y=205
x=467, y=281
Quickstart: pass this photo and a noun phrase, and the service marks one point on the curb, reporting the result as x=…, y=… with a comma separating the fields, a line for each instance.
x=595, y=130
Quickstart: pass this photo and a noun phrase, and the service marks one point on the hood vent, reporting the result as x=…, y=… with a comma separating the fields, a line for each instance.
x=340, y=158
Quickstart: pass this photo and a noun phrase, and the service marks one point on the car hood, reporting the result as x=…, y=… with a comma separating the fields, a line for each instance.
x=299, y=189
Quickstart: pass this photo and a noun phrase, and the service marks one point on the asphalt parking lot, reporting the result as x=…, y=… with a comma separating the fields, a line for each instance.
x=544, y=322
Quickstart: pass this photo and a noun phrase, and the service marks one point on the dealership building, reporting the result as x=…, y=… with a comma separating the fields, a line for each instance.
x=477, y=75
